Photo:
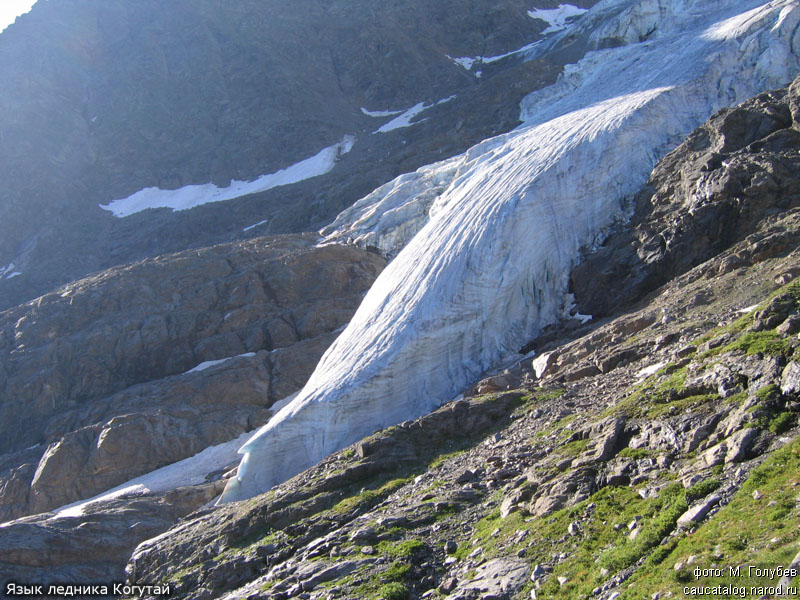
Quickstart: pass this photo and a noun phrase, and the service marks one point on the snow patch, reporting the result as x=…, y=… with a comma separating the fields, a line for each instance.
x=191, y=196
x=468, y=62
x=254, y=225
x=464, y=61
x=189, y=471
x=747, y=309
x=557, y=18
x=490, y=267
x=404, y=120
x=212, y=363
x=651, y=370
x=9, y=272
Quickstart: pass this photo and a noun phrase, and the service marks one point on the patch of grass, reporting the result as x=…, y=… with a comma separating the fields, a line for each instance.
x=397, y=571
x=681, y=404
x=701, y=489
x=403, y=549
x=545, y=394
x=636, y=453
x=658, y=389
x=737, y=398
x=393, y=591
x=663, y=512
x=367, y=497
x=756, y=342
x=442, y=458
x=573, y=448
x=769, y=393
x=781, y=422
x=759, y=531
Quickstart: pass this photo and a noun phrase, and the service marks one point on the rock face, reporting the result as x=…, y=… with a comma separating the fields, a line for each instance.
x=490, y=269
x=135, y=368
x=92, y=547
x=709, y=193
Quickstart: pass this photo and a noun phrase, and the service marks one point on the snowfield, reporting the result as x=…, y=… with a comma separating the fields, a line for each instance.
x=488, y=268
x=557, y=19
x=404, y=120
x=191, y=196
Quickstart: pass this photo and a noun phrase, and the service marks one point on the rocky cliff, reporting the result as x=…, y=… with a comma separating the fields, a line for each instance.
x=139, y=367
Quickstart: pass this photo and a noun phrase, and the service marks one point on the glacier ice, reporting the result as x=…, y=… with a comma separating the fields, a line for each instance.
x=558, y=18
x=488, y=268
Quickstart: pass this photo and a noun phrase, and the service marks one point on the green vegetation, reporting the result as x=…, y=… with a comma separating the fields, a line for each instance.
x=701, y=489
x=397, y=571
x=369, y=497
x=442, y=458
x=604, y=542
x=393, y=591
x=403, y=549
x=573, y=448
x=753, y=529
x=769, y=393
x=636, y=453
x=755, y=342
x=781, y=422
x=655, y=398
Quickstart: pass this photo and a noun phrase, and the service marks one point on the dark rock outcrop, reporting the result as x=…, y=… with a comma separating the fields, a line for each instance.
x=93, y=546
x=709, y=193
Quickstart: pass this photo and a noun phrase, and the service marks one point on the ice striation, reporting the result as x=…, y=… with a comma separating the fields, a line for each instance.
x=488, y=268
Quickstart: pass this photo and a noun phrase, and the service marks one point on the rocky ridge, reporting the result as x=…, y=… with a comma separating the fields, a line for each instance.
x=114, y=376
x=656, y=441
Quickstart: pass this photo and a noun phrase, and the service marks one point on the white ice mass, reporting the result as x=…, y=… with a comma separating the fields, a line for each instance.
x=556, y=18
x=194, y=195
x=488, y=267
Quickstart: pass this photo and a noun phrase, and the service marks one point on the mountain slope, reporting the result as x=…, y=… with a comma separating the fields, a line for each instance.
x=491, y=267
x=571, y=471
x=103, y=99
x=630, y=452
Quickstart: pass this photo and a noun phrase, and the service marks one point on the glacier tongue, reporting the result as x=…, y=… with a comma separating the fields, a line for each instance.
x=489, y=268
